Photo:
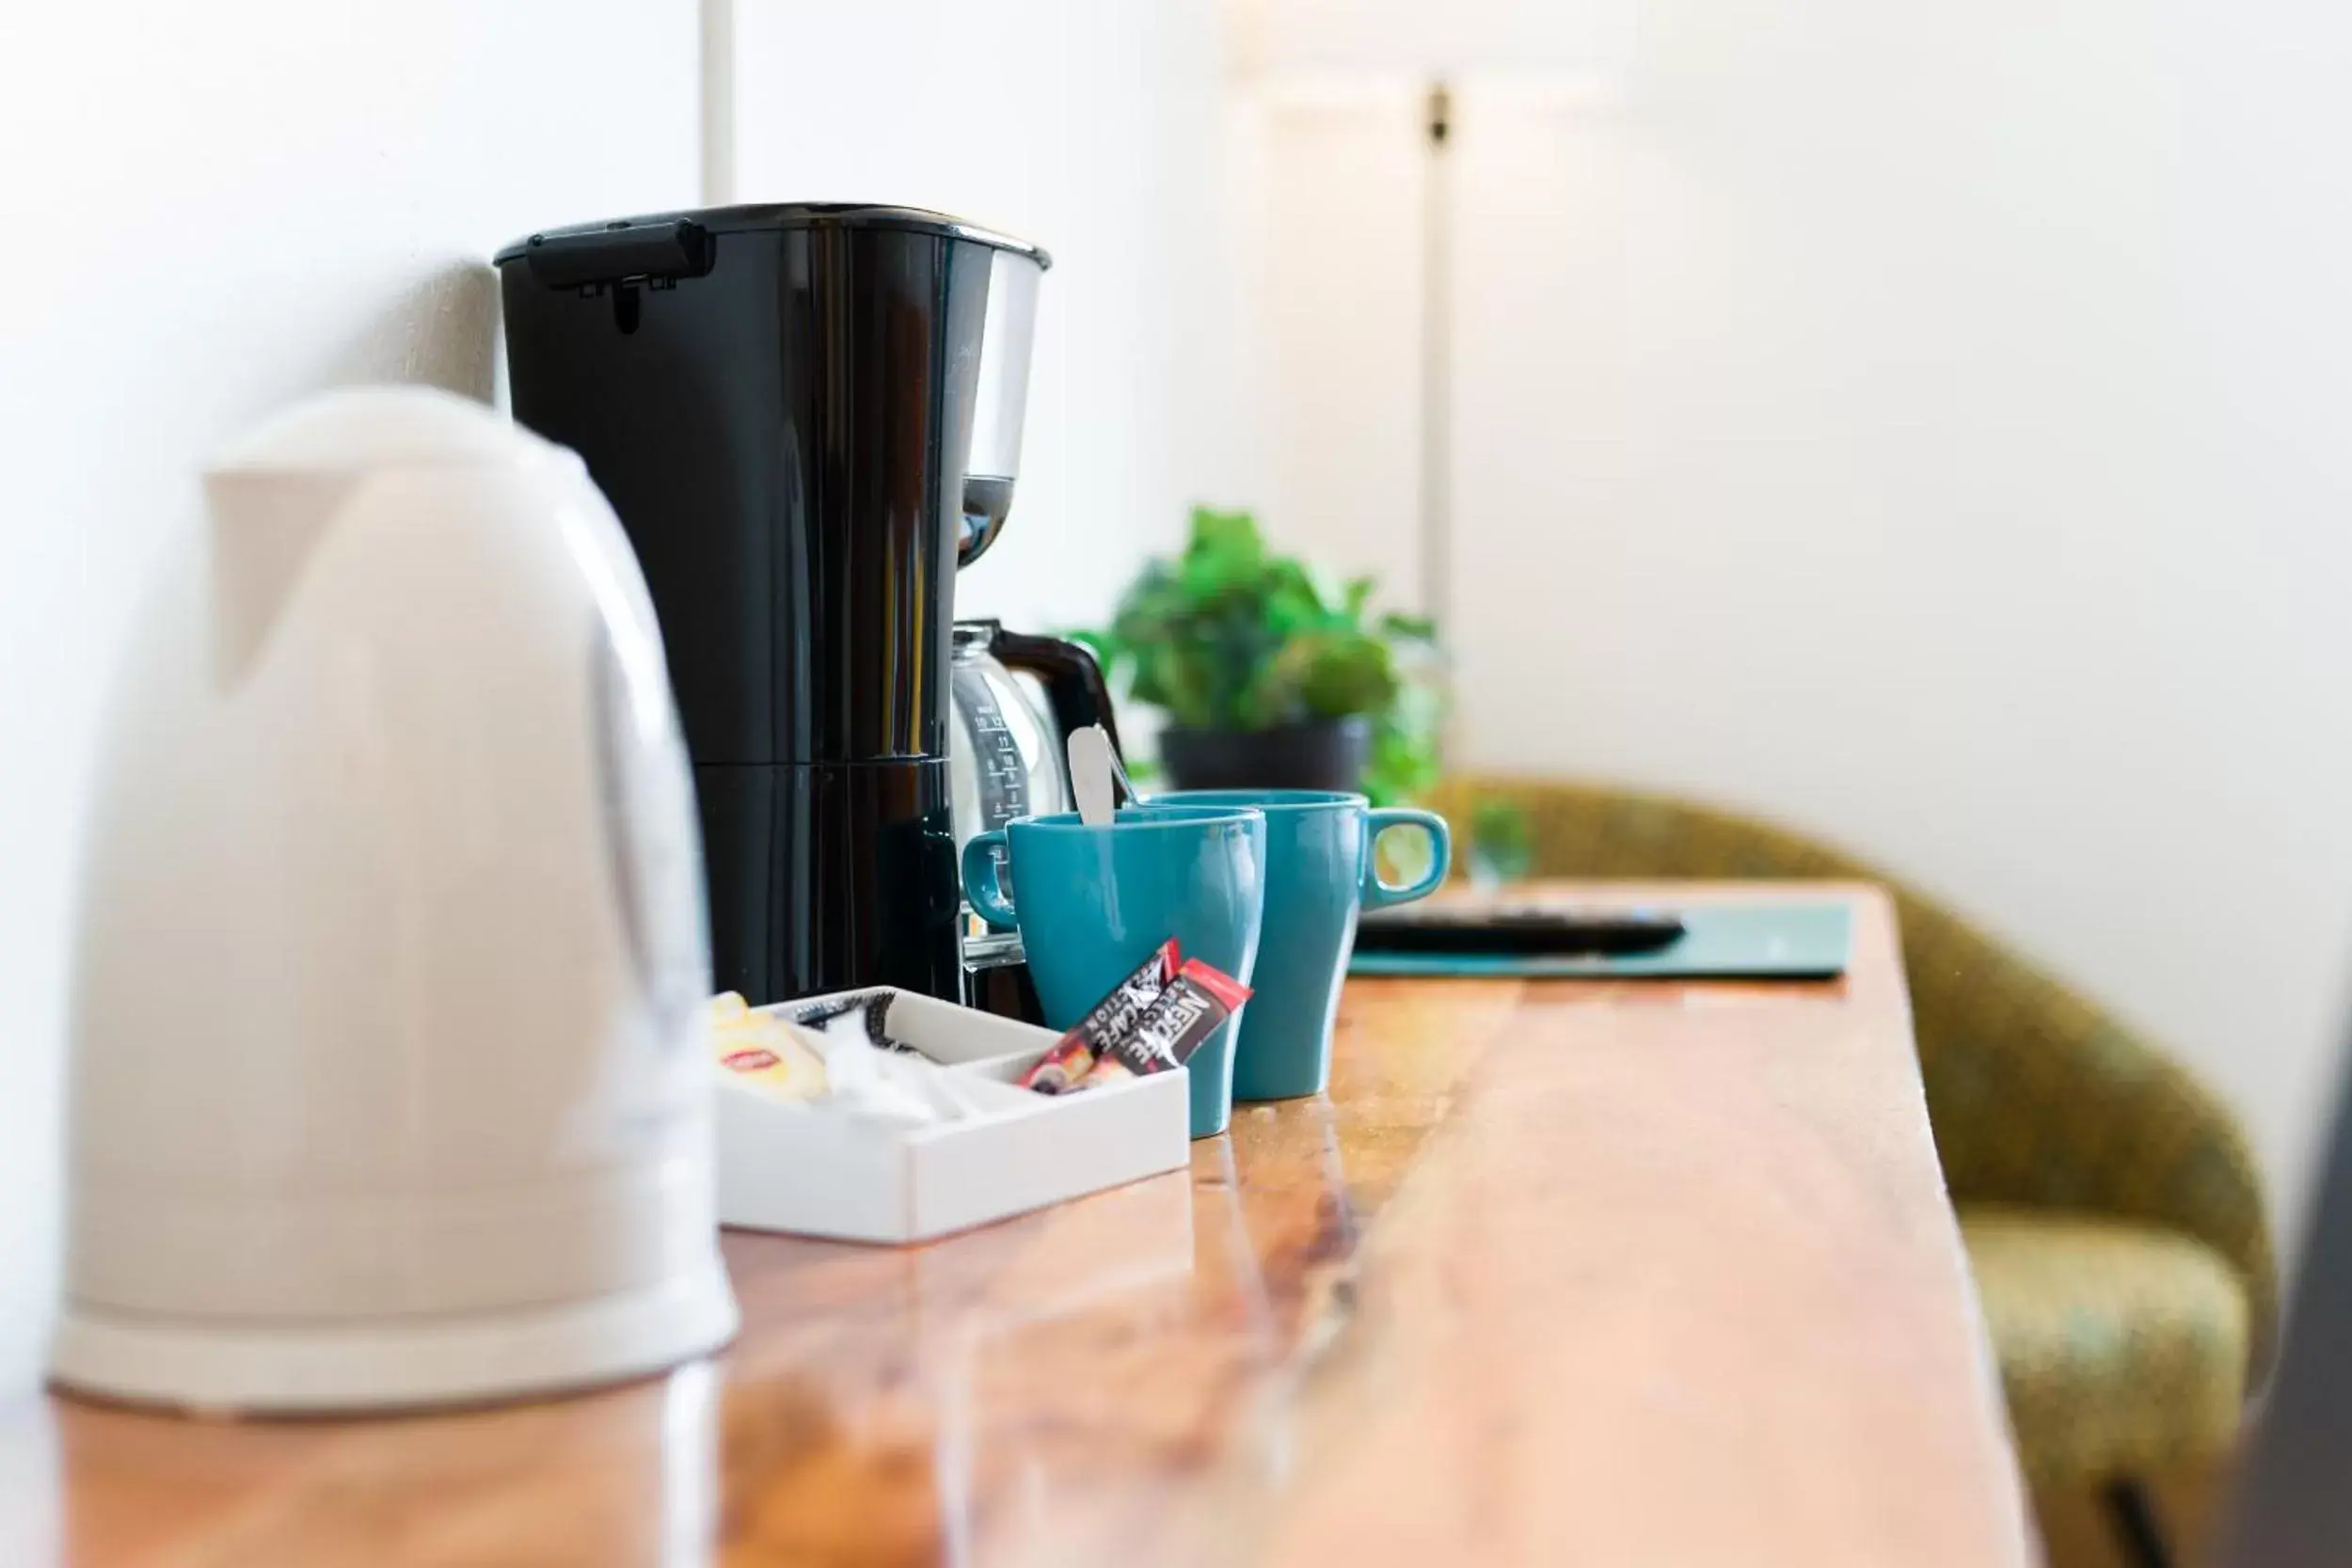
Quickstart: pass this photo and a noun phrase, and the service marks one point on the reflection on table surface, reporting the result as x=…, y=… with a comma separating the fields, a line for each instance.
x=1585, y=1270
x=1120, y=1372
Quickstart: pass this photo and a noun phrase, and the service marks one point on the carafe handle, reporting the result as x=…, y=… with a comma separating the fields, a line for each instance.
x=1072, y=679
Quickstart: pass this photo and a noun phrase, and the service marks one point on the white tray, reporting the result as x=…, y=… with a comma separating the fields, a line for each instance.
x=802, y=1169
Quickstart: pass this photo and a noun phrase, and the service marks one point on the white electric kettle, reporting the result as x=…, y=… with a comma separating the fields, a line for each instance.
x=389, y=1083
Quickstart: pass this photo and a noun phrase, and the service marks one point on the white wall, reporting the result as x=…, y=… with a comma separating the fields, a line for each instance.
x=1328, y=179
x=1923, y=425
x=212, y=210
x=1091, y=128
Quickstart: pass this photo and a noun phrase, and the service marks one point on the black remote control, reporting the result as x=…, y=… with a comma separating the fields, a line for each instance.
x=1517, y=931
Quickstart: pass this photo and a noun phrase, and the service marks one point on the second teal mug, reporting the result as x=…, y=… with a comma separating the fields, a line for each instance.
x=1091, y=904
x=1320, y=874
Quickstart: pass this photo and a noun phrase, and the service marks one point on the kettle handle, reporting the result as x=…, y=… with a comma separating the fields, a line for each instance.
x=1072, y=679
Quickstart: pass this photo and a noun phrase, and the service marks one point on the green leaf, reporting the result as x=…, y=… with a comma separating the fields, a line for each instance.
x=1108, y=651
x=1501, y=839
x=1344, y=673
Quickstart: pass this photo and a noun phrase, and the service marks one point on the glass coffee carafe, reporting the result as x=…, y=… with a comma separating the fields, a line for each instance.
x=1009, y=757
x=1010, y=747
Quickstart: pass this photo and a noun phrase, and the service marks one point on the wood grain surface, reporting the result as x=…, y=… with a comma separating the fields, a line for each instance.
x=1559, y=1273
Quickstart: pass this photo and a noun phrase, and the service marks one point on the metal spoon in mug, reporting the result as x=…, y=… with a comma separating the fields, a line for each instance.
x=1128, y=793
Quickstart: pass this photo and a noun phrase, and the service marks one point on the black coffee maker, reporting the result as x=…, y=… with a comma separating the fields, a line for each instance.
x=806, y=416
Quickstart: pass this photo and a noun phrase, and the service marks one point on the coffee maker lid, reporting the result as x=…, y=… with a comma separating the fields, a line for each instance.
x=787, y=214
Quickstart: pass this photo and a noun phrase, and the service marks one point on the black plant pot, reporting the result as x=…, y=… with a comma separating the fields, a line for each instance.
x=1329, y=753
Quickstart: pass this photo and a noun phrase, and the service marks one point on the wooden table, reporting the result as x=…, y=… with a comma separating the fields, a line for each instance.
x=1566, y=1273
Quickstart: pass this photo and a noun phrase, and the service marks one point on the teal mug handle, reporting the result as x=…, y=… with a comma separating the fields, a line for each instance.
x=1379, y=894
x=980, y=885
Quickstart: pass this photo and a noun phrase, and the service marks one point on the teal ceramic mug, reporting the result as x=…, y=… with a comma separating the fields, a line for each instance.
x=1320, y=874
x=1091, y=904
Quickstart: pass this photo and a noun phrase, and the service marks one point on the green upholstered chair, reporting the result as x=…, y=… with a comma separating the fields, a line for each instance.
x=2112, y=1214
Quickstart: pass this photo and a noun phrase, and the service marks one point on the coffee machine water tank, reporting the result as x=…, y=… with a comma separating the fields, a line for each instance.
x=1001, y=405
x=389, y=1078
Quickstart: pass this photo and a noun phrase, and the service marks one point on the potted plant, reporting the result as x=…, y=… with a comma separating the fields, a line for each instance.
x=1503, y=843
x=1268, y=681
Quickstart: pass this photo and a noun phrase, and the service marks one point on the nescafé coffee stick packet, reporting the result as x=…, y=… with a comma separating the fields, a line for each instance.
x=1066, y=1066
x=1171, y=1028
